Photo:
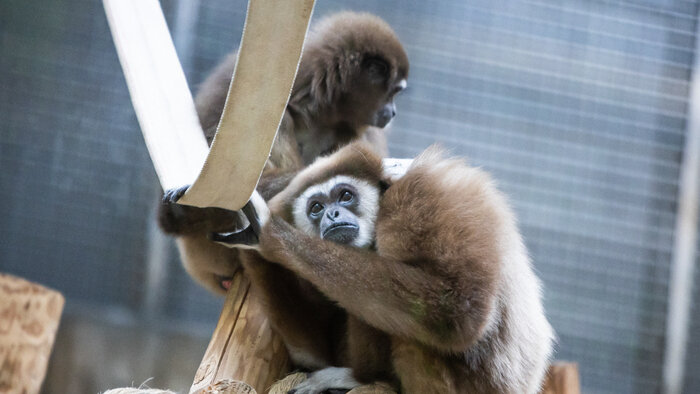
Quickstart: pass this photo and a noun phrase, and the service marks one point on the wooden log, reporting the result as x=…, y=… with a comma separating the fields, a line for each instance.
x=243, y=348
x=29, y=317
x=562, y=378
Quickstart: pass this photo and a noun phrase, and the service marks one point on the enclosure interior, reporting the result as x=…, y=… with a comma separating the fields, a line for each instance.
x=578, y=108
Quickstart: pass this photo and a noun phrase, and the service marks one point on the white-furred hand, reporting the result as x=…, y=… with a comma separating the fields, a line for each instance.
x=327, y=378
x=396, y=168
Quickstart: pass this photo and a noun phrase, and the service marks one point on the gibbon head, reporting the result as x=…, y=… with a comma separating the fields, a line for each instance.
x=337, y=197
x=342, y=209
x=352, y=68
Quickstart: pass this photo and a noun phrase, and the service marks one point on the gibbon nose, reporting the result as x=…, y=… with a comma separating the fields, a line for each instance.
x=333, y=214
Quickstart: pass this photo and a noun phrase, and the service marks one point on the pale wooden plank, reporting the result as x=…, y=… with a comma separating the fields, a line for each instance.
x=267, y=63
x=159, y=91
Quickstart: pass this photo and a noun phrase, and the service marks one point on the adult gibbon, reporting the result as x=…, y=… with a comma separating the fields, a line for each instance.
x=431, y=268
x=352, y=67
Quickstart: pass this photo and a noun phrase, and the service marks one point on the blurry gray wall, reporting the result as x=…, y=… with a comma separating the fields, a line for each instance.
x=578, y=108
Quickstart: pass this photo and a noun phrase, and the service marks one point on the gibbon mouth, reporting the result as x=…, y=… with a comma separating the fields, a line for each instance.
x=224, y=282
x=343, y=232
x=340, y=225
x=382, y=121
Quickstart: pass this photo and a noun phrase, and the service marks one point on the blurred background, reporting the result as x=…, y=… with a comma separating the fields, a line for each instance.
x=578, y=107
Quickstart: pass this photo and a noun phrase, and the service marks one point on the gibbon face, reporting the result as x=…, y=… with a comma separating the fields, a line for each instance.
x=372, y=99
x=342, y=209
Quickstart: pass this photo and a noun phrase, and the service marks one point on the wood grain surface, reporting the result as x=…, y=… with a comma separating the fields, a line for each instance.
x=29, y=318
x=243, y=347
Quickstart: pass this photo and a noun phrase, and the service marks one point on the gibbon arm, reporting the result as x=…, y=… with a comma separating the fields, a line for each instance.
x=429, y=301
x=178, y=219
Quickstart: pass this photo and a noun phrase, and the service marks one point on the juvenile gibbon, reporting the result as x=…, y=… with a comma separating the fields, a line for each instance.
x=352, y=67
x=431, y=269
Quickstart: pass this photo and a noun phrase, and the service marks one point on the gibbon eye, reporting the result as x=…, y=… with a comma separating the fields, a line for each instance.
x=316, y=208
x=398, y=89
x=345, y=196
x=377, y=68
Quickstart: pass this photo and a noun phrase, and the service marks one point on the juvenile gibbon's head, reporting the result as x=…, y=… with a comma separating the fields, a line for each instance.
x=337, y=197
x=352, y=67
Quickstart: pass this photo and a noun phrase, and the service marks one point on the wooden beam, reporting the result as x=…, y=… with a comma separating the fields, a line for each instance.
x=562, y=378
x=244, y=354
x=159, y=92
x=29, y=317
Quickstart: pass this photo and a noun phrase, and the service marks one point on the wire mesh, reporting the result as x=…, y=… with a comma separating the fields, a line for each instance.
x=578, y=108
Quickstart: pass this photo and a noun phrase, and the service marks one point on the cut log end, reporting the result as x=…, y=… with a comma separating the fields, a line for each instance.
x=30, y=314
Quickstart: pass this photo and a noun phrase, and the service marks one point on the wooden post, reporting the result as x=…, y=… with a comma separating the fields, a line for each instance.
x=562, y=378
x=29, y=317
x=244, y=354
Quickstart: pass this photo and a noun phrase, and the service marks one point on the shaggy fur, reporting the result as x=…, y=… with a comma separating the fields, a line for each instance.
x=333, y=100
x=449, y=299
x=336, y=99
x=312, y=327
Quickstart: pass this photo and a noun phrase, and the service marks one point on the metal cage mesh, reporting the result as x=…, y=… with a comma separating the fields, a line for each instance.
x=578, y=108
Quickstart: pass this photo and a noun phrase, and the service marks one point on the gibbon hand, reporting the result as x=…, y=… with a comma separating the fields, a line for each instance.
x=248, y=215
x=257, y=214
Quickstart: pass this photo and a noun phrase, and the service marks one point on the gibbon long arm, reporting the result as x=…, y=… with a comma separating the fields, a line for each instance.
x=424, y=300
x=392, y=305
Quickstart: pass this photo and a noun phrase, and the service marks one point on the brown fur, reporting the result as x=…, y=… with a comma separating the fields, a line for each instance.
x=358, y=160
x=306, y=319
x=332, y=103
x=438, y=296
x=332, y=100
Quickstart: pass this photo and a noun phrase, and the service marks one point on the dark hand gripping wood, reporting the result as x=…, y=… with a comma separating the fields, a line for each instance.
x=244, y=354
x=29, y=317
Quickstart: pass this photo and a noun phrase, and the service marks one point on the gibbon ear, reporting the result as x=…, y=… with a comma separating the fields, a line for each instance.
x=384, y=185
x=321, y=86
x=331, y=78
